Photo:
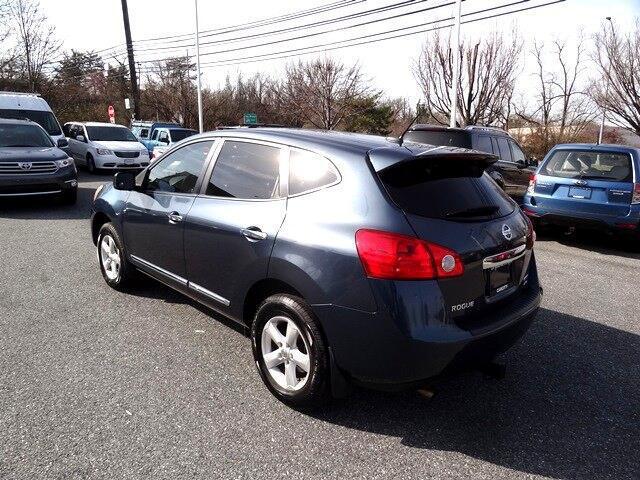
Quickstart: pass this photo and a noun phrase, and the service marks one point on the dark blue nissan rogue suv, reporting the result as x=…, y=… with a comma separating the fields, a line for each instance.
x=349, y=258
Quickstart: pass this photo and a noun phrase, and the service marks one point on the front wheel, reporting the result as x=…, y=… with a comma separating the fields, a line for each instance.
x=91, y=164
x=290, y=352
x=116, y=269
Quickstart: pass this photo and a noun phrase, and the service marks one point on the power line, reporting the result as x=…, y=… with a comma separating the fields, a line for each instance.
x=261, y=23
x=351, y=16
x=324, y=32
x=289, y=53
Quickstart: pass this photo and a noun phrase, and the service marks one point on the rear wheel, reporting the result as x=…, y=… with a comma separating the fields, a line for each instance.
x=116, y=269
x=290, y=352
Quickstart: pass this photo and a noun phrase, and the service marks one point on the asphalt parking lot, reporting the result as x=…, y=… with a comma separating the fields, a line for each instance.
x=100, y=384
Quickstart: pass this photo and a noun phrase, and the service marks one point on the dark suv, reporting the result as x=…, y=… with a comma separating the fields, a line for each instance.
x=349, y=258
x=31, y=164
x=513, y=169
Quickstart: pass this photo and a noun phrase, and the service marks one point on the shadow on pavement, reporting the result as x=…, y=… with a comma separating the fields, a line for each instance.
x=568, y=408
x=50, y=207
x=595, y=241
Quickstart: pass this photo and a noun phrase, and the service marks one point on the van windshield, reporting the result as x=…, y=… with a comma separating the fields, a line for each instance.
x=110, y=134
x=589, y=164
x=21, y=135
x=45, y=119
x=446, y=189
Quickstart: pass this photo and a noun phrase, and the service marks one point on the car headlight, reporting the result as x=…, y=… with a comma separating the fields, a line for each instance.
x=98, y=190
x=103, y=151
x=65, y=162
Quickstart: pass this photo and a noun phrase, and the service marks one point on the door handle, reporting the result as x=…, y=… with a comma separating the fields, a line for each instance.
x=253, y=233
x=175, y=217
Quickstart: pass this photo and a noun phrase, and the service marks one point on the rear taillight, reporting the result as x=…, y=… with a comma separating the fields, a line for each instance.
x=532, y=184
x=636, y=193
x=402, y=257
x=531, y=233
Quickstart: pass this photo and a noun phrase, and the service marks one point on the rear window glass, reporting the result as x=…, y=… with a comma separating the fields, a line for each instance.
x=177, y=135
x=589, y=165
x=446, y=189
x=444, y=138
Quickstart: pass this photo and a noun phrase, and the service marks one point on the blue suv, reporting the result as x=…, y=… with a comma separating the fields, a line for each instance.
x=348, y=258
x=586, y=185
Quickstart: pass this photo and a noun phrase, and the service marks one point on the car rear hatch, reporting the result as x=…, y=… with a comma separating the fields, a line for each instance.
x=449, y=200
x=584, y=183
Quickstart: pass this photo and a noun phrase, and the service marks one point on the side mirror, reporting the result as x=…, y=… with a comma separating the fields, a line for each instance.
x=124, y=181
x=62, y=143
x=81, y=138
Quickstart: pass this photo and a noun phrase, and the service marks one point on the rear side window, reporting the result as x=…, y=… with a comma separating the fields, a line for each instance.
x=483, y=143
x=589, y=165
x=246, y=170
x=310, y=171
x=518, y=154
x=445, y=189
x=441, y=138
x=505, y=152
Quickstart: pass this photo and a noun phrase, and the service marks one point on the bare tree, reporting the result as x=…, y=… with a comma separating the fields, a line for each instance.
x=618, y=59
x=486, y=79
x=561, y=110
x=322, y=92
x=37, y=44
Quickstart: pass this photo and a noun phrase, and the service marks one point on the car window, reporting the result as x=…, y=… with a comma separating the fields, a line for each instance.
x=439, y=137
x=309, y=171
x=518, y=154
x=503, y=148
x=163, y=136
x=178, y=172
x=483, y=143
x=21, y=135
x=589, y=164
x=246, y=170
x=144, y=133
x=45, y=119
x=110, y=134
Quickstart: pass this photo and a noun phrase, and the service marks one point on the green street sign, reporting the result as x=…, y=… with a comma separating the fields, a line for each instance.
x=250, y=118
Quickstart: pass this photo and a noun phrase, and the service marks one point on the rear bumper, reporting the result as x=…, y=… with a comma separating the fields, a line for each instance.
x=572, y=218
x=65, y=179
x=392, y=350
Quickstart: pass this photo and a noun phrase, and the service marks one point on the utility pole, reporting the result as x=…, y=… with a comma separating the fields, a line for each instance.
x=132, y=63
x=604, y=110
x=456, y=66
x=200, y=122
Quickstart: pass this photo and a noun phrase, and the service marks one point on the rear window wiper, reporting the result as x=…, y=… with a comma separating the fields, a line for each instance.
x=474, y=212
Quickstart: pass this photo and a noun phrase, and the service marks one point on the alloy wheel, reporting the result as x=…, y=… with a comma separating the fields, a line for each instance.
x=285, y=352
x=110, y=257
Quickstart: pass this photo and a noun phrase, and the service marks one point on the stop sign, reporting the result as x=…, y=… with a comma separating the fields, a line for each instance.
x=111, y=111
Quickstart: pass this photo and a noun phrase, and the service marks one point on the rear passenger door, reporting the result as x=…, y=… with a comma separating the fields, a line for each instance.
x=231, y=228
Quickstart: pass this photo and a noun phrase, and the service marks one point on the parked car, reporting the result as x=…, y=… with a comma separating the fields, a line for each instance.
x=144, y=131
x=511, y=171
x=587, y=185
x=100, y=146
x=31, y=164
x=345, y=256
x=33, y=107
x=163, y=138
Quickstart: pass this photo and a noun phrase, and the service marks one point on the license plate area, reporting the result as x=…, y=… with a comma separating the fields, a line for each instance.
x=580, y=192
x=502, y=273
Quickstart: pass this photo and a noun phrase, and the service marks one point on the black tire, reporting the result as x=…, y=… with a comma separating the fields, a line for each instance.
x=126, y=271
x=70, y=197
x=91, y=164
x=315, y=391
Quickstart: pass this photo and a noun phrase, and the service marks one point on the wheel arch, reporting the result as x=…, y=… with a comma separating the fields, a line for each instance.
x=97, y=221
x=260, y=291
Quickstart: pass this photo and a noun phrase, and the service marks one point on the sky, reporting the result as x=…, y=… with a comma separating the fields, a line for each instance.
x=97, y=25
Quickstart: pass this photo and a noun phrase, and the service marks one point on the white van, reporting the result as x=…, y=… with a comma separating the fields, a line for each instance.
x=33, y=107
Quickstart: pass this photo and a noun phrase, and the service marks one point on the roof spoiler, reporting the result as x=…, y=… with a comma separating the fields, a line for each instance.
x=385, y=157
